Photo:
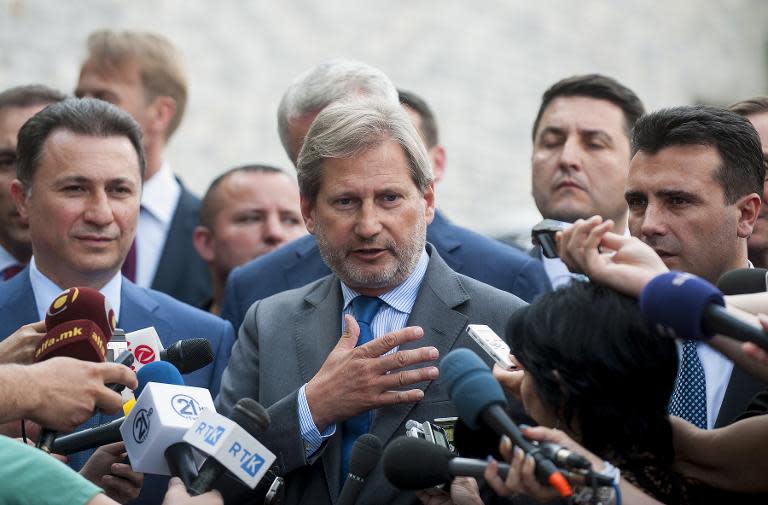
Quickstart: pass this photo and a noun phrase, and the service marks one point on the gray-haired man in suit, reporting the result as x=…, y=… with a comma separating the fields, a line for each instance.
x=367, y=194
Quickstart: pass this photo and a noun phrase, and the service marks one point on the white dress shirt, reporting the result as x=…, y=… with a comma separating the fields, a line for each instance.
x=45, y=290
x=159, y=198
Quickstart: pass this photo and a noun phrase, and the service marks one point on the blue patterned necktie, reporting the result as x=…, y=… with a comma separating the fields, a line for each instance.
x=689, y=399
x=364, y=308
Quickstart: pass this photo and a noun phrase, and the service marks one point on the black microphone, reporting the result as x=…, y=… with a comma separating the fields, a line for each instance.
x=413, y=463
x=363, y=458
x=249, y=415
x=744, y=281
x=681, y=305
x=478, y=398
x=188, y=355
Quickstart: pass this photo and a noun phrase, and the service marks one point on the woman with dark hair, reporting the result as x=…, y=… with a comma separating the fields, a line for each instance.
x=592, y=369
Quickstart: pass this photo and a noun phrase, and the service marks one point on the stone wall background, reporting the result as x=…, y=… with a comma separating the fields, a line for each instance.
x=482, y=66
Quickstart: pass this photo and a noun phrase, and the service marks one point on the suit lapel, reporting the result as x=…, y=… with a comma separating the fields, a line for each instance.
x=306, y=265
x=439, y=293
x=317, y=330
x=138, y=310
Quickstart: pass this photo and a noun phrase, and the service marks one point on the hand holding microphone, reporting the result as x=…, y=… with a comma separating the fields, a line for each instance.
x=20, y=346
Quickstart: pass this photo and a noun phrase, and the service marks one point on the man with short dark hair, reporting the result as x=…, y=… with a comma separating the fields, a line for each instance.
x=79, y=175
x=246, y=212
x=693, y=193
x=465, y=251
x=367, y=194
x=581, y=154
x=756, y=110
x=142, y=73
x=16, y=106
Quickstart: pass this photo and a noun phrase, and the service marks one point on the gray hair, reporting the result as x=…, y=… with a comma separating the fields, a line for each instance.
x=326, y=83
x=345, y=129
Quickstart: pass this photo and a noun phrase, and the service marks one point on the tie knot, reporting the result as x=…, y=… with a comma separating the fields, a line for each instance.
x=365, y=308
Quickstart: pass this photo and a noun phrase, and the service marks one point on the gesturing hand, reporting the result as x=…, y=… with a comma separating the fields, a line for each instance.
x=353, y=379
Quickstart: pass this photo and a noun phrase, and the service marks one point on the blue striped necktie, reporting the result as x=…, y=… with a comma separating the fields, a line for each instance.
x=364, y=308
x=689, y=398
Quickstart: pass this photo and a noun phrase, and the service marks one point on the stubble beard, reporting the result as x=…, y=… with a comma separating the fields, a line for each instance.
x=406, y=257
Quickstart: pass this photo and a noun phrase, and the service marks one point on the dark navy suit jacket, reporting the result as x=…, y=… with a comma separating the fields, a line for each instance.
x=466, y=252
x=181, y=272
x=139, y=308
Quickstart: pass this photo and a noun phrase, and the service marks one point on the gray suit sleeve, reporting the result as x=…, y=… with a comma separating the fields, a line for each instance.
x=241, y=380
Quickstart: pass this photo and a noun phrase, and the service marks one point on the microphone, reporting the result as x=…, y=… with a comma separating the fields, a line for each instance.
x=249, y=415
x=188, y=355
x=681, y=305
x=363, y=458
x=107, y=433
x=413, y=463
x=154, y=429
x=479, y=399
x=81, y=303
x=71, y=334
x=744, y=281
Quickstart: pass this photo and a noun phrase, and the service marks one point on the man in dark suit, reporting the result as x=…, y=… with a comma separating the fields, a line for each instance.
x=694, y=191
x=142, y=73
x=367, y=194
x=465, y=251
x=78, y=184
x=581, y=154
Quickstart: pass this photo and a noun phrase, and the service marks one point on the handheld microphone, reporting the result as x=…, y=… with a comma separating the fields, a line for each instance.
x=71, y=334
x=478, y=398
x=154, y=429
x=744, y=281
x=413, y=463
x=681, y=305
x=188, y=355
x=249, y=415
x=81, y=303
x=363, y=458
x=107, y=433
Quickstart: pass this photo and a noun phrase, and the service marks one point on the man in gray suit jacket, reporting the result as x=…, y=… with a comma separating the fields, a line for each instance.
x=367, y=194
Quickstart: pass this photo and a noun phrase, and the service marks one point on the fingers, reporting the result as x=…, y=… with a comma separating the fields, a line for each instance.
x=397, y=397
x=117, y=374
x=39, y=326
x=542, y=434
x=351, y=333
x=409, y=377
x=115, y=449
x=510, y=380
x=402, y=359
x=389, y=341
x=491, y=476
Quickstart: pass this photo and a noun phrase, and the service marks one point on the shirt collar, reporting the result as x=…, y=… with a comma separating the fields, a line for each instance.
x=6, y=259
x=45, y=290
x=160, y=194
x=403, y=296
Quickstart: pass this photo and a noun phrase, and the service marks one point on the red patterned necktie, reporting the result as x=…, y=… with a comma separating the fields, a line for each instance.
x=12, y=270
x=129, y=266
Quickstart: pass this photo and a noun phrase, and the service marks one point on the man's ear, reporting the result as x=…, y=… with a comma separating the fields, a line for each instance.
x=307, y=212
x=748, y=207
x=162, y=112
x=202, y=239
x=437, y=156
x=19, y=196
x=430, y=202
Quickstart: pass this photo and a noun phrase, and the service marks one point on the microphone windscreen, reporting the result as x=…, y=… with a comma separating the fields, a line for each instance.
x=673, y=304
x=189, y=355
x=79, y=339
x=82, y=303
x=157, y=371
x=414, y=463
x=365, y=455
x=744, y=281
x=251, y=416
x=470, y=385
